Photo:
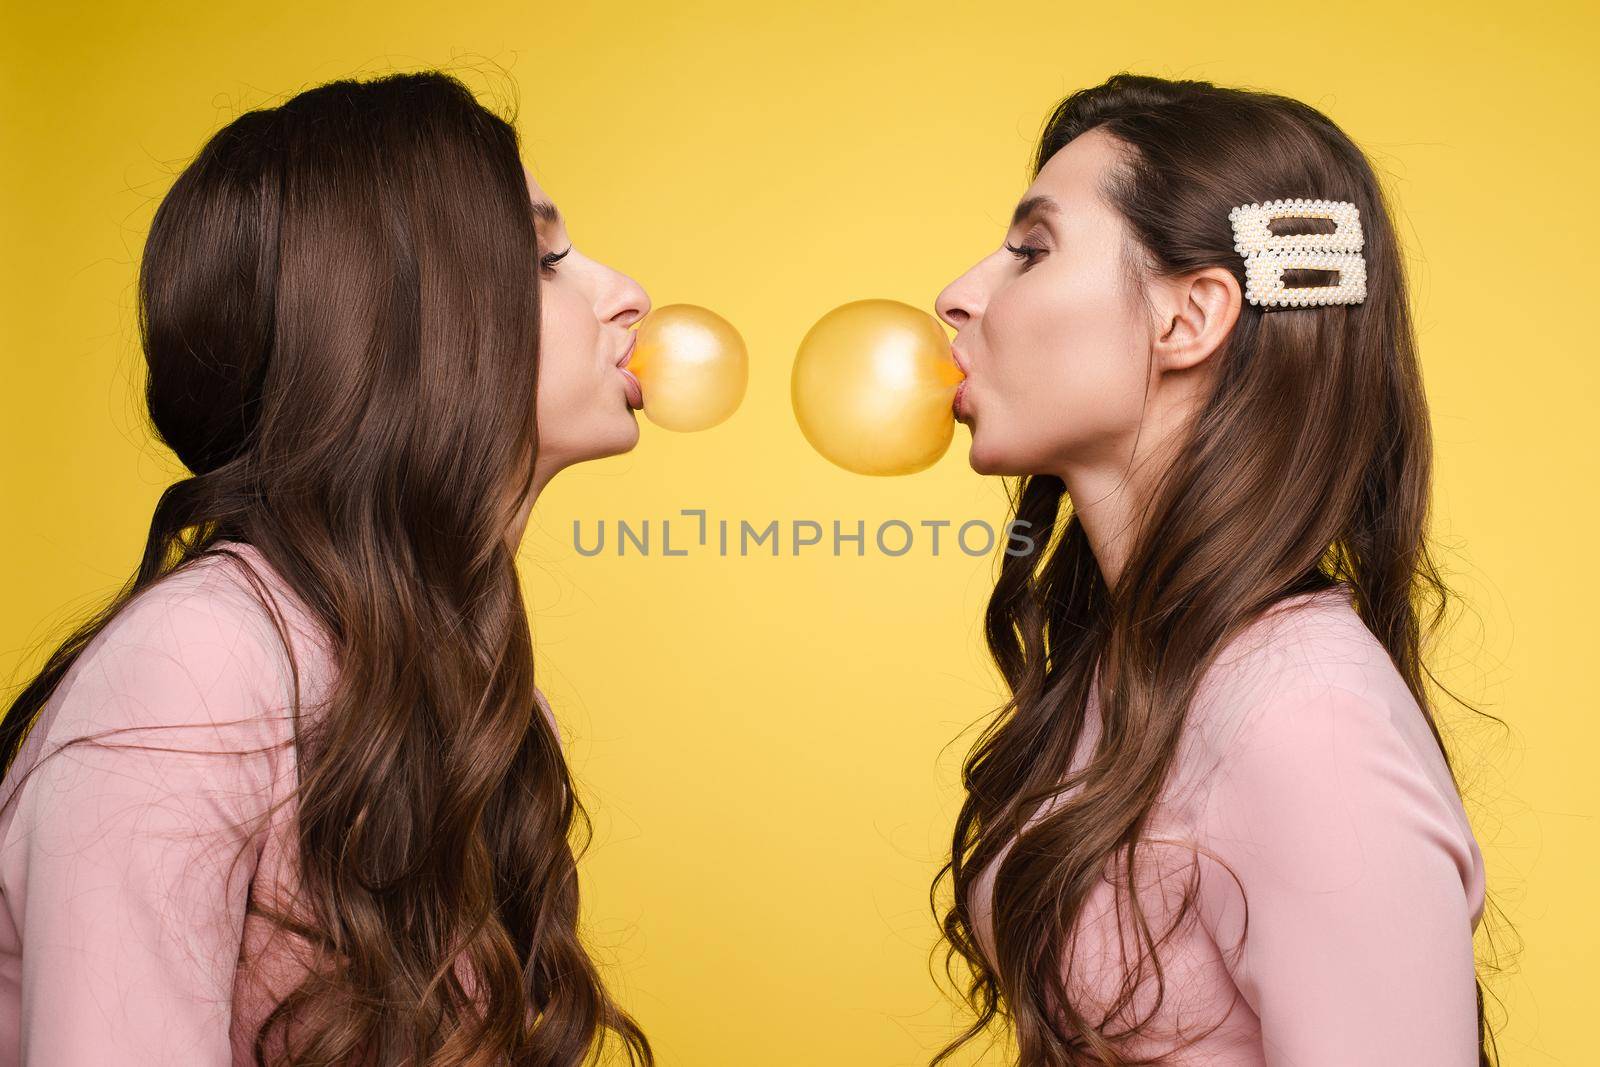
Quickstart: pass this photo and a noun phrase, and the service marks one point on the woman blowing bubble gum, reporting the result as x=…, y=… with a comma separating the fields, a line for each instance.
x=1240, y=838
x=294, y=794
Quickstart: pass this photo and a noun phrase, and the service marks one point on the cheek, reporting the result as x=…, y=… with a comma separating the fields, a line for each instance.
x=1070, y=352
x=567, y=337
x=582, y=413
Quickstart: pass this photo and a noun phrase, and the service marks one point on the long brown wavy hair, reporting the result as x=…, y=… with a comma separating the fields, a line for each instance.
x=1309, y=465
x=339, y=306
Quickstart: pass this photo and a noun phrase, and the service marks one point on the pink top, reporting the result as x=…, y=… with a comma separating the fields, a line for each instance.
x=126, y=871
x=1307, y=769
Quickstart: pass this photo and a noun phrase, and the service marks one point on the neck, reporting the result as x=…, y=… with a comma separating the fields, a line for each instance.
x=542, y=473
x=1110, y=495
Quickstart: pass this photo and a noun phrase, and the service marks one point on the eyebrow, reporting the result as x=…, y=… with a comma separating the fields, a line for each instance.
x=1034, y=205
x=545, y=211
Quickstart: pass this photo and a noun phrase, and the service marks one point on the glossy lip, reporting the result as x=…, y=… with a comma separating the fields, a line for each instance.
x=959, y=404
x=631, y=386
x=627, y=353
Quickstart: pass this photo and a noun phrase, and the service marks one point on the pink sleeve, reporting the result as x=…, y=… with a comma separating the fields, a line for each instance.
x=134, y=907
x=1357, y=946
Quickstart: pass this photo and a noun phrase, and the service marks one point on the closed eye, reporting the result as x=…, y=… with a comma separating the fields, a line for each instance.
x=549, y=260
x=1025, y=253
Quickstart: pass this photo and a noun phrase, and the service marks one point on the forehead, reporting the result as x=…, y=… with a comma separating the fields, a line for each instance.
x=1075, y=173
x=544, y=208
x=535, y=190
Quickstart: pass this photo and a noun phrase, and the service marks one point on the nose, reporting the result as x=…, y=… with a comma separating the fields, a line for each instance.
x=625, y=301
x=961, y=300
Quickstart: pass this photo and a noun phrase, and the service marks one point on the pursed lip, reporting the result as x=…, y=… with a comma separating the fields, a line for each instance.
x=627, y=353
x=631, y=386
x=959, y=402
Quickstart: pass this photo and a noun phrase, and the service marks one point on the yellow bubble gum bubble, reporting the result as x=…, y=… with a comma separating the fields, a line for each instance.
x=873, y=386
x=692, y=367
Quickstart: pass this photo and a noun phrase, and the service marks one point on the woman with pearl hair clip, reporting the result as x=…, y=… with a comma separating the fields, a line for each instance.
x=1215, y=820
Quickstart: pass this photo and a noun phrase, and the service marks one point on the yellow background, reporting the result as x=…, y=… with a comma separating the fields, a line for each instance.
x=764, y=740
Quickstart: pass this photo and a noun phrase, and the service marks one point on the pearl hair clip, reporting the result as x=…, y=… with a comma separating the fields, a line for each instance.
x=1268, y=255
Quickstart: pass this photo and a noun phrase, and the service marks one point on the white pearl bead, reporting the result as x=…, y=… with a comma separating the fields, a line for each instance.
x=1266, y=256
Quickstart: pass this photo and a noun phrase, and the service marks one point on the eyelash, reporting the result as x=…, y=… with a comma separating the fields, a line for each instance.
x=1026, y=253
x=549, y=260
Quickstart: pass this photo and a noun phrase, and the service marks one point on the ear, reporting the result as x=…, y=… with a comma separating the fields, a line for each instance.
x=1198, y=311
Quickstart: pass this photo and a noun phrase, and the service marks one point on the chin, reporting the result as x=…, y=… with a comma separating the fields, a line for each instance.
x=611, y=435
x=622, y=434
x=984, y=458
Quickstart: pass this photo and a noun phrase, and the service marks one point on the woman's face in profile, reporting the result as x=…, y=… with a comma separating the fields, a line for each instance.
x=1051, y=328
x=586, y=313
